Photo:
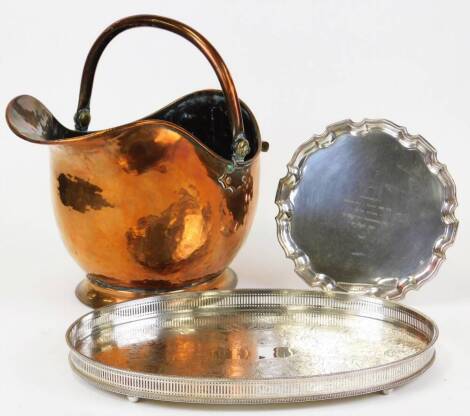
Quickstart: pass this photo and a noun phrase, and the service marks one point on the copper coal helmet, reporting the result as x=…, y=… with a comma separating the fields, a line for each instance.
x=160, y=204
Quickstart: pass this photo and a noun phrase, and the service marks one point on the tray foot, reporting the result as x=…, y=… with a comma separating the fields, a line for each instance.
x=386, y=392
x=95, y=295
x=133, y=399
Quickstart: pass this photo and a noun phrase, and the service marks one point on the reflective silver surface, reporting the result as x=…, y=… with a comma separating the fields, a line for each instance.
x=366, y=207
x=251, y=346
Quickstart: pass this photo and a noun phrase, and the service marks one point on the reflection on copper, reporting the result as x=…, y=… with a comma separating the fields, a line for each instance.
x=155, y=229
x=205, y=351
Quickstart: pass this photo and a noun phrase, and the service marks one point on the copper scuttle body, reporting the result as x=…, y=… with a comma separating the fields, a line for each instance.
x=160, y=204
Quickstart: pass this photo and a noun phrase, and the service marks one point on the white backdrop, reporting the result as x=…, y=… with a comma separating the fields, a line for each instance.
x=299, y=65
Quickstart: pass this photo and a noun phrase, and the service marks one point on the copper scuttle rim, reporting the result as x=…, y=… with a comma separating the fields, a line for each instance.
x=75, y=136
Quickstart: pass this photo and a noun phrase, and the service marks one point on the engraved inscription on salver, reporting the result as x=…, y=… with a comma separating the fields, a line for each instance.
x=367, y=214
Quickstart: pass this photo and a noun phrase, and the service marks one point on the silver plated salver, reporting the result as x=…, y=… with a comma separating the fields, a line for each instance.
x=366, y=208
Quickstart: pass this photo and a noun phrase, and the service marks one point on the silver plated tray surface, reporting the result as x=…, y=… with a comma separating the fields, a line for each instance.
x=366, y=208
x=251, y=346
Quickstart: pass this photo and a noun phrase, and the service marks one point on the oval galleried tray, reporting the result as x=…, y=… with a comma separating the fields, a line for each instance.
x=251, y=346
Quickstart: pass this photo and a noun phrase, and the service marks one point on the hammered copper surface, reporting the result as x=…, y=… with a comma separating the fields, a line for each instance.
x=141, y=207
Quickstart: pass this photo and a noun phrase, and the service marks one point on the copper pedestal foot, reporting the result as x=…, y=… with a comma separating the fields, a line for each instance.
x=95, y=295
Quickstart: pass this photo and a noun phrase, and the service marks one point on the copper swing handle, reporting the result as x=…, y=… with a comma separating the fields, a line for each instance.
x=240, y=144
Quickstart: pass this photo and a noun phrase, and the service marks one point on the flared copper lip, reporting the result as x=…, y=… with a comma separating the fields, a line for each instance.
x=95, y=135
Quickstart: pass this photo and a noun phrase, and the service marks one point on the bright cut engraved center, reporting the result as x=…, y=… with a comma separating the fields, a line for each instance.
x=249, y=345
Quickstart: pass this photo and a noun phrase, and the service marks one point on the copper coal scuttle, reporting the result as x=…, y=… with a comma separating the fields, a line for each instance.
x=160, y=204
x=366, y=214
